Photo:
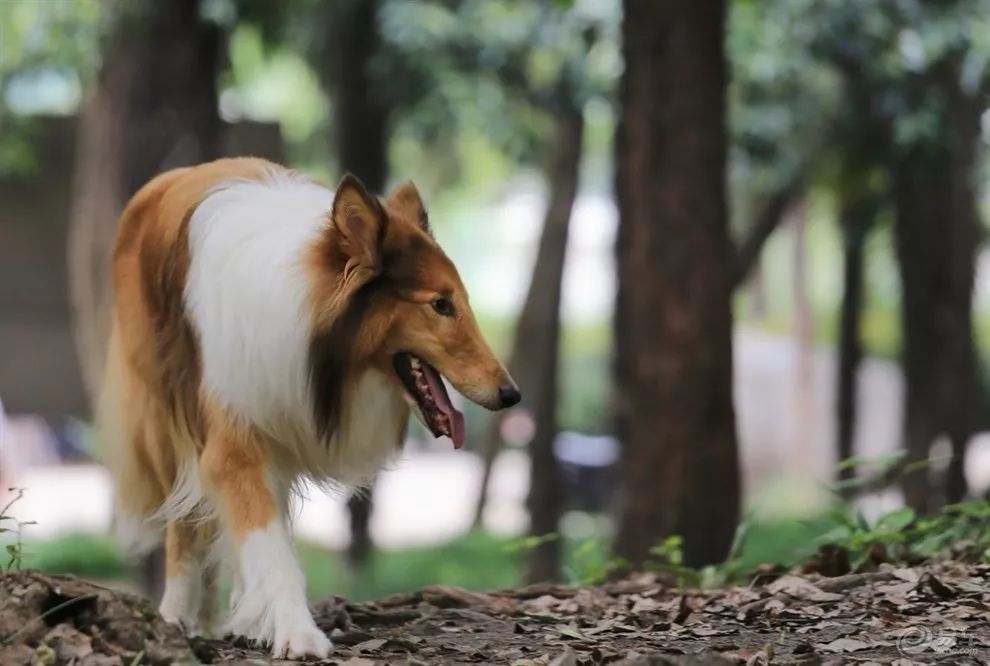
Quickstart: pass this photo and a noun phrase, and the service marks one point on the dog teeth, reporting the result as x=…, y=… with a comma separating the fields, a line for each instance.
x=429, y=406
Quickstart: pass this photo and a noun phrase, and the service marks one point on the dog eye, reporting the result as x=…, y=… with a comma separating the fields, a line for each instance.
x=443, y=307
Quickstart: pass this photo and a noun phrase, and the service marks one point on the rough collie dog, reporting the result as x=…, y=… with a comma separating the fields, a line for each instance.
x=269, y=330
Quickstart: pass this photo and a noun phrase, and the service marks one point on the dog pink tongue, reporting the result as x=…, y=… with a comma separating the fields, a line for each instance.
x=454, y=417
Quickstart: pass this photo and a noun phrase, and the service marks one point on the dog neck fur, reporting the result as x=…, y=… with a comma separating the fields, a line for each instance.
x=249, y=297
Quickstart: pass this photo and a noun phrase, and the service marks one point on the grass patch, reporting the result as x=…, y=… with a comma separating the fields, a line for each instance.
x=84, y=555
x=477, y=561
x=784, y=542
x=481, y=561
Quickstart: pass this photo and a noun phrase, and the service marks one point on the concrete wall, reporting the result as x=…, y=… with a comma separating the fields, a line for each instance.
x=39, y=372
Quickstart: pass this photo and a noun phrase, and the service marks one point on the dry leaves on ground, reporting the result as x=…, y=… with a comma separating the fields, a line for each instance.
x=935, y=614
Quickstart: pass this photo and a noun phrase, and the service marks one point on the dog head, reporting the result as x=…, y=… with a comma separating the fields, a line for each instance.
x=398, y=303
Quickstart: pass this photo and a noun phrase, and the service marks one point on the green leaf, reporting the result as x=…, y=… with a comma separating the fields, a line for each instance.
x=849, y=463
x=861, y=522
x=838, y=534
x=896, y=520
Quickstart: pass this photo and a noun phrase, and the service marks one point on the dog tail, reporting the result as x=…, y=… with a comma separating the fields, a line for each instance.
x=122, y=422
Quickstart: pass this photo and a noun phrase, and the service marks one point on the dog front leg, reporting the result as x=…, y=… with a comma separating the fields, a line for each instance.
x=271, y=607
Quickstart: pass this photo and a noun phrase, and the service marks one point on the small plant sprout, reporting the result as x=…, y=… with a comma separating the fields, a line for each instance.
x=9, y=524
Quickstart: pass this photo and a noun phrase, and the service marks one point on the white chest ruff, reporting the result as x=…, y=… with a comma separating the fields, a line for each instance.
x=247, y=297
x=369, y=436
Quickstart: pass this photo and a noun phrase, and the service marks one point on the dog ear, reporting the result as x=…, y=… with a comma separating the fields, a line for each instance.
x=359, y=222
x=405, y=199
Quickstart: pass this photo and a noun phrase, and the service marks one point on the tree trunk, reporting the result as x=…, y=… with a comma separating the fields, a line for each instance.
x=534, y=359
x=360, y=506
x=673, y=321
x=539, y=332
x=360, y=111
x=361, y=137
x=856, y=219
x=767, y=219
x=803, y=328
x=154, y=108
x=937, y=232
x=867, y=135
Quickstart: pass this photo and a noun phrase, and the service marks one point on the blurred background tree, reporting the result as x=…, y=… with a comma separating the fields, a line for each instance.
x=673, y=320
x=795, y=186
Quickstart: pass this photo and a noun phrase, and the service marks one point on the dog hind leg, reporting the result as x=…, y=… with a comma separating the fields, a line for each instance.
x=187, y=545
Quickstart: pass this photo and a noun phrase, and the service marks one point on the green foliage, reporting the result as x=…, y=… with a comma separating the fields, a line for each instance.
x=668, y=558
x=785, y=543
x=476, y=561
x=10, y=525
x=84, y=555
x=480, y=561
x=863, y=540
x=670, y=551
x=493, y=70
x=780, y=98
x=529, y=543
x=50, y=46
x=900, y=537
x=591, y=562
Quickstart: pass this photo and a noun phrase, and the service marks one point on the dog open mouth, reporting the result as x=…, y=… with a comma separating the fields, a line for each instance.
x=425, y=386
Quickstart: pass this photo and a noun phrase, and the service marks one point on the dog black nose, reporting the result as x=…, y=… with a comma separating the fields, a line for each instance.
x=509, y=395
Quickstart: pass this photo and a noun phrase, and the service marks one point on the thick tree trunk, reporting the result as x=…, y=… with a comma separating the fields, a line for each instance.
x=361, y=138
x=937, y=231
x=675, y=268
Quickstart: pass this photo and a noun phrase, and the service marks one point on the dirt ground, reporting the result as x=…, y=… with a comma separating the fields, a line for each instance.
x=933, y=614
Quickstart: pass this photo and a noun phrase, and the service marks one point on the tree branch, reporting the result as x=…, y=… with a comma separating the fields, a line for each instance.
x=749, y=248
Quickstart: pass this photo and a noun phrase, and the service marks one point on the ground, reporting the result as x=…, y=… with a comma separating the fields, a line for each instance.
x=931, y=614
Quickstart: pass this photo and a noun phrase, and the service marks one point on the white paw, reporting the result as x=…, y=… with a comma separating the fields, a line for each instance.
x=301, y=642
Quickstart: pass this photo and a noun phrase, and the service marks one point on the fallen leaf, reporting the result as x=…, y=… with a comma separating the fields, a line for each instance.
x=801, y=588
x=642, y=605
x=572, y=632
x=371, y=646
x=844, y=645
x=565, y=658
x=907, y=575
x=939, y=588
